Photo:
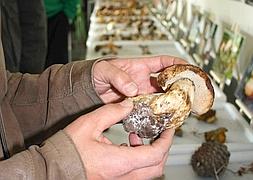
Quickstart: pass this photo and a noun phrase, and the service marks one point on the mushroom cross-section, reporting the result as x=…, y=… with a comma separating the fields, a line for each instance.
x=204, y=93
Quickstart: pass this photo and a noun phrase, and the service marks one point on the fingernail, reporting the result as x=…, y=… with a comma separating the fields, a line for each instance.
x=127, y=103
x=131, y=89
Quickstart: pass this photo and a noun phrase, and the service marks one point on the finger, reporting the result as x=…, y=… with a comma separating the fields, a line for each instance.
x=112, y=96
x=150, y=155
x=165, y=140
x=135, y=140
x=117, y=78
x=109, y=115
x=154, y=63
x=158, y=63
x=150, y=172
x=161, y=62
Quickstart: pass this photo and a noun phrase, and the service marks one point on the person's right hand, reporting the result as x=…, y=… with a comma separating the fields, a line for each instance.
x=104, y=160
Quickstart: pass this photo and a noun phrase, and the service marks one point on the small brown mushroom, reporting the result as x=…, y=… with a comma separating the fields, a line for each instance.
x=217, y=135
x=109, y=48
x=208, y=117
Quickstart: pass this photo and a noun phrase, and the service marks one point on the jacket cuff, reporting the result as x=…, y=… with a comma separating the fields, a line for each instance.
x=64, y=152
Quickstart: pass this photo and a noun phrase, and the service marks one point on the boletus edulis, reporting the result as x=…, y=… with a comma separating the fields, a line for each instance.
x=187, y=89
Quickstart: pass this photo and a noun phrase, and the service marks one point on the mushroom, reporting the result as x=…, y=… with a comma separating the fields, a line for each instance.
x=187, y=89
x=204, y=93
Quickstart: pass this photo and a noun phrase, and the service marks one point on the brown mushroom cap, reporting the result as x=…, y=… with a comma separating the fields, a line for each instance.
x=204, y=93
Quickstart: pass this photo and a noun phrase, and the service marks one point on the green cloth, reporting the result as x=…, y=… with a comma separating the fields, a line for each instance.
x=69, y=7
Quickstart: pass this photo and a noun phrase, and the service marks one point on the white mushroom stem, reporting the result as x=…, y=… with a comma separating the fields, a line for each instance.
x=176, y=101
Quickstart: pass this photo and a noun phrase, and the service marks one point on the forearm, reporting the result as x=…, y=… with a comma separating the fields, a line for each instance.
x=56, y=158
x=42, y=102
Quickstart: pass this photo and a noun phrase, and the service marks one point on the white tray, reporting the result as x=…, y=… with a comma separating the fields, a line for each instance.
x=239, y=135
x=94, y=37
x=97, y=30
x=228, y=117
x=132, y=49
x=95, y=19
x=185, y=172
x=91, y=43
x=98, y=4
x=97, y=27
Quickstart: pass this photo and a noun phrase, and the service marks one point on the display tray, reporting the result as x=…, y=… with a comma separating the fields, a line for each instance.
x=91, y=42
x=118, y=40
x=118, y=21
x=227, y=116
x=96, y=29
x=124, y=30
x=98, y=5
x=133, y=49
x=125, y=34
x=106, y=19
x=149, y=28
x=180, y=172
x=239, y=137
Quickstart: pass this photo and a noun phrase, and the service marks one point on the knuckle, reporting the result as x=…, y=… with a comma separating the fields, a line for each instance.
x=162, y=59
x=122, y=77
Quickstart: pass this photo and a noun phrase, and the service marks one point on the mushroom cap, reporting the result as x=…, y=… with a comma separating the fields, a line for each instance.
x=204, y=93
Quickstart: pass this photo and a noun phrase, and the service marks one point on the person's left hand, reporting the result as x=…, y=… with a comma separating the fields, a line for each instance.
x=104, y=160
x=116, y=79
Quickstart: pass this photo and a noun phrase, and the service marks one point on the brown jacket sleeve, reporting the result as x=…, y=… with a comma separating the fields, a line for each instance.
x=43, y=104
x=46, y=103
x=55, y=159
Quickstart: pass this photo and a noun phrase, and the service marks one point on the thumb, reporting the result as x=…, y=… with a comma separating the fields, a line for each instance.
x=110, y=114
x=118, y=78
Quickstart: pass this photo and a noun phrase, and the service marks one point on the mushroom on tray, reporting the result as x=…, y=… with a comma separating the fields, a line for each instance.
x=109, y=48
x=208, y=117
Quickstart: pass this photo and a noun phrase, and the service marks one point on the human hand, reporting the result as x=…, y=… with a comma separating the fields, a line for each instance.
x=104, y=160
x=116, y=79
